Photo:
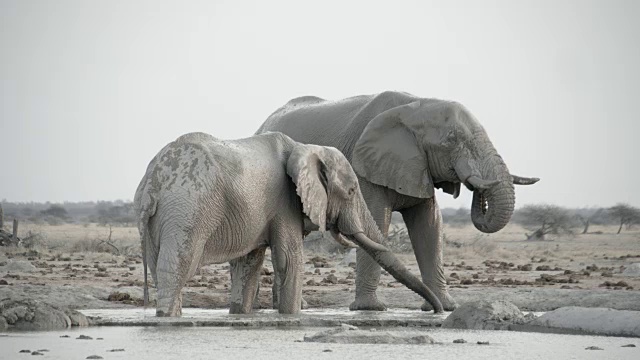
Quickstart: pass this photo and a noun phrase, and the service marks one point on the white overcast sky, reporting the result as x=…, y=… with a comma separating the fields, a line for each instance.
x=90, y=91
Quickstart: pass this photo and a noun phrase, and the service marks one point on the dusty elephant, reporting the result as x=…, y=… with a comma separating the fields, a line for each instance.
x=204, y=200
x=401, y=148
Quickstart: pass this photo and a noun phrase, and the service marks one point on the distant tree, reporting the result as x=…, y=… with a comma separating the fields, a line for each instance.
x=588, y=217
x=544, y=219
x=57, y=211
x=456, y=217
x=107, y=213
x=626, y=214
x=27, y=211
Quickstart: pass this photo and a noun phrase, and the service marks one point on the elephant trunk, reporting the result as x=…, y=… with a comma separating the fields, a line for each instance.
x=362, y=233
x=491, y=208
x=394, y=266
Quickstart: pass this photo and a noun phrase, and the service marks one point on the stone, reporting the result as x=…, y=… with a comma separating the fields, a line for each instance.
x=33, y=315
x=347, y=334
x=77, y=318
x=18, y=266
x=632, y=270
x=593, y=348
x=484, y=315
x=598, y=321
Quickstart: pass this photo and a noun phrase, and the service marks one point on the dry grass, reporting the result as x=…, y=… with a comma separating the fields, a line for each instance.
x=74, y=238
x=461, y=243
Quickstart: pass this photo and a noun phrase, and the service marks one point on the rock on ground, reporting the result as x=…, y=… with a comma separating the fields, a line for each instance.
x=37, y=315
x=632, y=270
x=14, y=266
x=599, y=321
x=484, y=315
x=347, y=334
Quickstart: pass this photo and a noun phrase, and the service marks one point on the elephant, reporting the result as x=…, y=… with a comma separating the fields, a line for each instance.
x=402, y=147
x=203, y=200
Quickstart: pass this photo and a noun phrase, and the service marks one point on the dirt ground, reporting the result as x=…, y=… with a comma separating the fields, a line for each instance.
x=81, y=267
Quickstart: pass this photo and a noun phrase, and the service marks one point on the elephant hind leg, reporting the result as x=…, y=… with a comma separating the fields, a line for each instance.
x=245, y=272
x=178, y=260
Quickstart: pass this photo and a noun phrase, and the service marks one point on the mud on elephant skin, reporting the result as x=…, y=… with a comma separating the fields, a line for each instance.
x=203, y=200
x=402, y=148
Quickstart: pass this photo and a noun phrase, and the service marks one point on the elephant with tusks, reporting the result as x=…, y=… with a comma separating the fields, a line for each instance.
x=402, y=147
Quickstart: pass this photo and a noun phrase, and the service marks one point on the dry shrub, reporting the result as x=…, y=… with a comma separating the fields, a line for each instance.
x=34, y=240
x=322, y=243
x=398, y=239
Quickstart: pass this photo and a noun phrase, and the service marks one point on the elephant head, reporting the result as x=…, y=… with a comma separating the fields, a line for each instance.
x=331, y=199
x=429, y=144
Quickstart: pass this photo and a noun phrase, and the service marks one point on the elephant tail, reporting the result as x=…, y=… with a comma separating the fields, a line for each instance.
x=147, y=210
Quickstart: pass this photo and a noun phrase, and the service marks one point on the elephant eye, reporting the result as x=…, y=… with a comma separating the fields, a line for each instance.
x=351, y=191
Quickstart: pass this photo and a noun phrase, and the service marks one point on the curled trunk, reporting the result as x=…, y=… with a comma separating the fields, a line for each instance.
x=492, y=208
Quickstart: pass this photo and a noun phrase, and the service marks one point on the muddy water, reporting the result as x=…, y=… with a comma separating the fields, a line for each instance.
x=167, y=341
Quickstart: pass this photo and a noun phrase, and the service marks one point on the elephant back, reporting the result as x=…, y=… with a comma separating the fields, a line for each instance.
x=337, y=123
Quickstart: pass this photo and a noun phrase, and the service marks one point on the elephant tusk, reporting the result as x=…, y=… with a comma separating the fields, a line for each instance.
x=456, y=190
x=479, y=183
x=519, y=180
x=342, y=240
x=365, y=241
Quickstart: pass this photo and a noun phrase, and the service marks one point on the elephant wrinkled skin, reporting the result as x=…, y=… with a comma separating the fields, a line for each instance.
x=204, y=200
x=402, y=147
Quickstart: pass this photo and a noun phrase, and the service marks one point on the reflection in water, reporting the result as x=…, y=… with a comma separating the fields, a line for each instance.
x=179, y=339
x=170, y=342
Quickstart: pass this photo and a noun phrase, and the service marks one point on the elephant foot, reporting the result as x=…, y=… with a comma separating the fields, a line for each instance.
x=368, y=303
x=304, y=304
x=236, y=308
x=160, y=313
x=447, y=301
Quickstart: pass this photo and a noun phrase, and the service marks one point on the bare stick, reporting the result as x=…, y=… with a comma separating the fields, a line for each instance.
x=108, y=241
x=15, y=229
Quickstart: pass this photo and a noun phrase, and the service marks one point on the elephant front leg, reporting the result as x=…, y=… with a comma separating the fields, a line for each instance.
x=275, y=291
x=424, y=225
x=245, y=272
x=368, y=270
x=286, y=253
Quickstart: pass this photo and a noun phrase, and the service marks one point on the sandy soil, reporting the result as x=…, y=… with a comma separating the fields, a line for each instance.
x=70, y=268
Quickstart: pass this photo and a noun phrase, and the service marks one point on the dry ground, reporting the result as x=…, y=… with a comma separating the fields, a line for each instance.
x=75, y=266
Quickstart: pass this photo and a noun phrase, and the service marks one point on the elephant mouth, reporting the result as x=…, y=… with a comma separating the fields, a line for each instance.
x=484, y=204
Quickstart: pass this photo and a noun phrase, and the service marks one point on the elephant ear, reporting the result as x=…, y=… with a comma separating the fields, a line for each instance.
x=388, y=153
x=307, y=171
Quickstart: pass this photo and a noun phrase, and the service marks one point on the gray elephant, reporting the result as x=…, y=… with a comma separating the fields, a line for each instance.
x=204, y=200
x=402, y=147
